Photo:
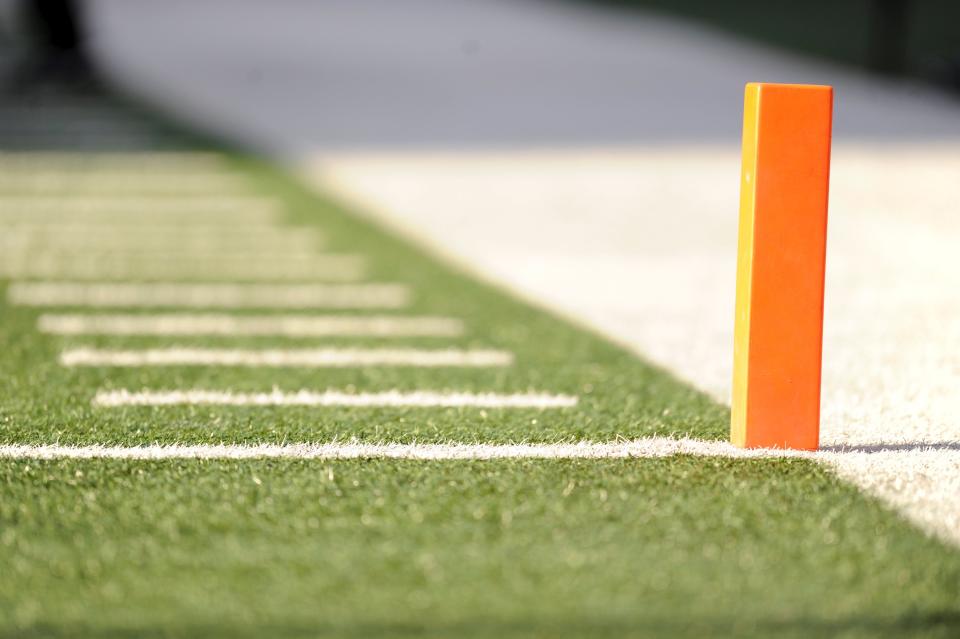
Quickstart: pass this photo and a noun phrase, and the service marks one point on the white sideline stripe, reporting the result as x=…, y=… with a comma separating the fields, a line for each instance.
x=331, y=267
x=309, y=357
x=282, y=325
x=447, y=399
x=640, y=448
x=159, y=294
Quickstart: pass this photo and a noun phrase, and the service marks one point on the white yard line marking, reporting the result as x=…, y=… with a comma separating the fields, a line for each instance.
x=64, y=208
x=128, y=234
x=894, y=474
x=17, y=221
x=272, y=325
x=308, y=357
x=120, y=183
x=134, y=162
x=149, y=239
x=390, y=398
x=652, y=447
x=329, y=267
x=648, y=447
x=133, y=257
x=148, y=295
x=42, y=212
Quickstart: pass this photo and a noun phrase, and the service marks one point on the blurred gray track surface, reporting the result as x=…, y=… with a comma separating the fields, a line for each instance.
x=290, y=76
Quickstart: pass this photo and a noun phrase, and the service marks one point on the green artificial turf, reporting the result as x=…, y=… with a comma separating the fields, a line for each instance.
x=620, y=395
x=676, y=547
x=669, y=547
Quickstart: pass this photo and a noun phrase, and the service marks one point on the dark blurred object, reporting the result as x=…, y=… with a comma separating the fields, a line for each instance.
x=919, y=38
x=58, y=53
x=888, y=37
x=56, y=25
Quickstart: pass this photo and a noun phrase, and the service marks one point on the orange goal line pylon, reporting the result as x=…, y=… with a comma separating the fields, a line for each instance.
x=778, y=332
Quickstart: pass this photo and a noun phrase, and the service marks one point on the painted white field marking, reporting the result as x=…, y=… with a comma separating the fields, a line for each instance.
x=18, y=221
x=934, y=509
x=574, y=228
x=133, y=257
x=203, y=233
x=273, y=325
x=276, y=397
x=86, y=132
x=32, y=208
x=123, y=164
x=329, y=267
x=147, y=295
x=308, y=357
x=46, y=212
x=136, y=162
x=64, y=137
x=121, y=183
x=15, y=220
x=641, y=448
x=152, y=238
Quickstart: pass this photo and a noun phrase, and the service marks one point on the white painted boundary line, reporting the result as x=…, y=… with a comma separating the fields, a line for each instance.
x=641, y=448
x=307, y=357
x=267, y=325
x=162, y=294
x=392, y=398
x=329, y=267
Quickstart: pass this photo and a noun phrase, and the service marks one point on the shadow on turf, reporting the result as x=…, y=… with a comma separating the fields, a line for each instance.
x=933, y=624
